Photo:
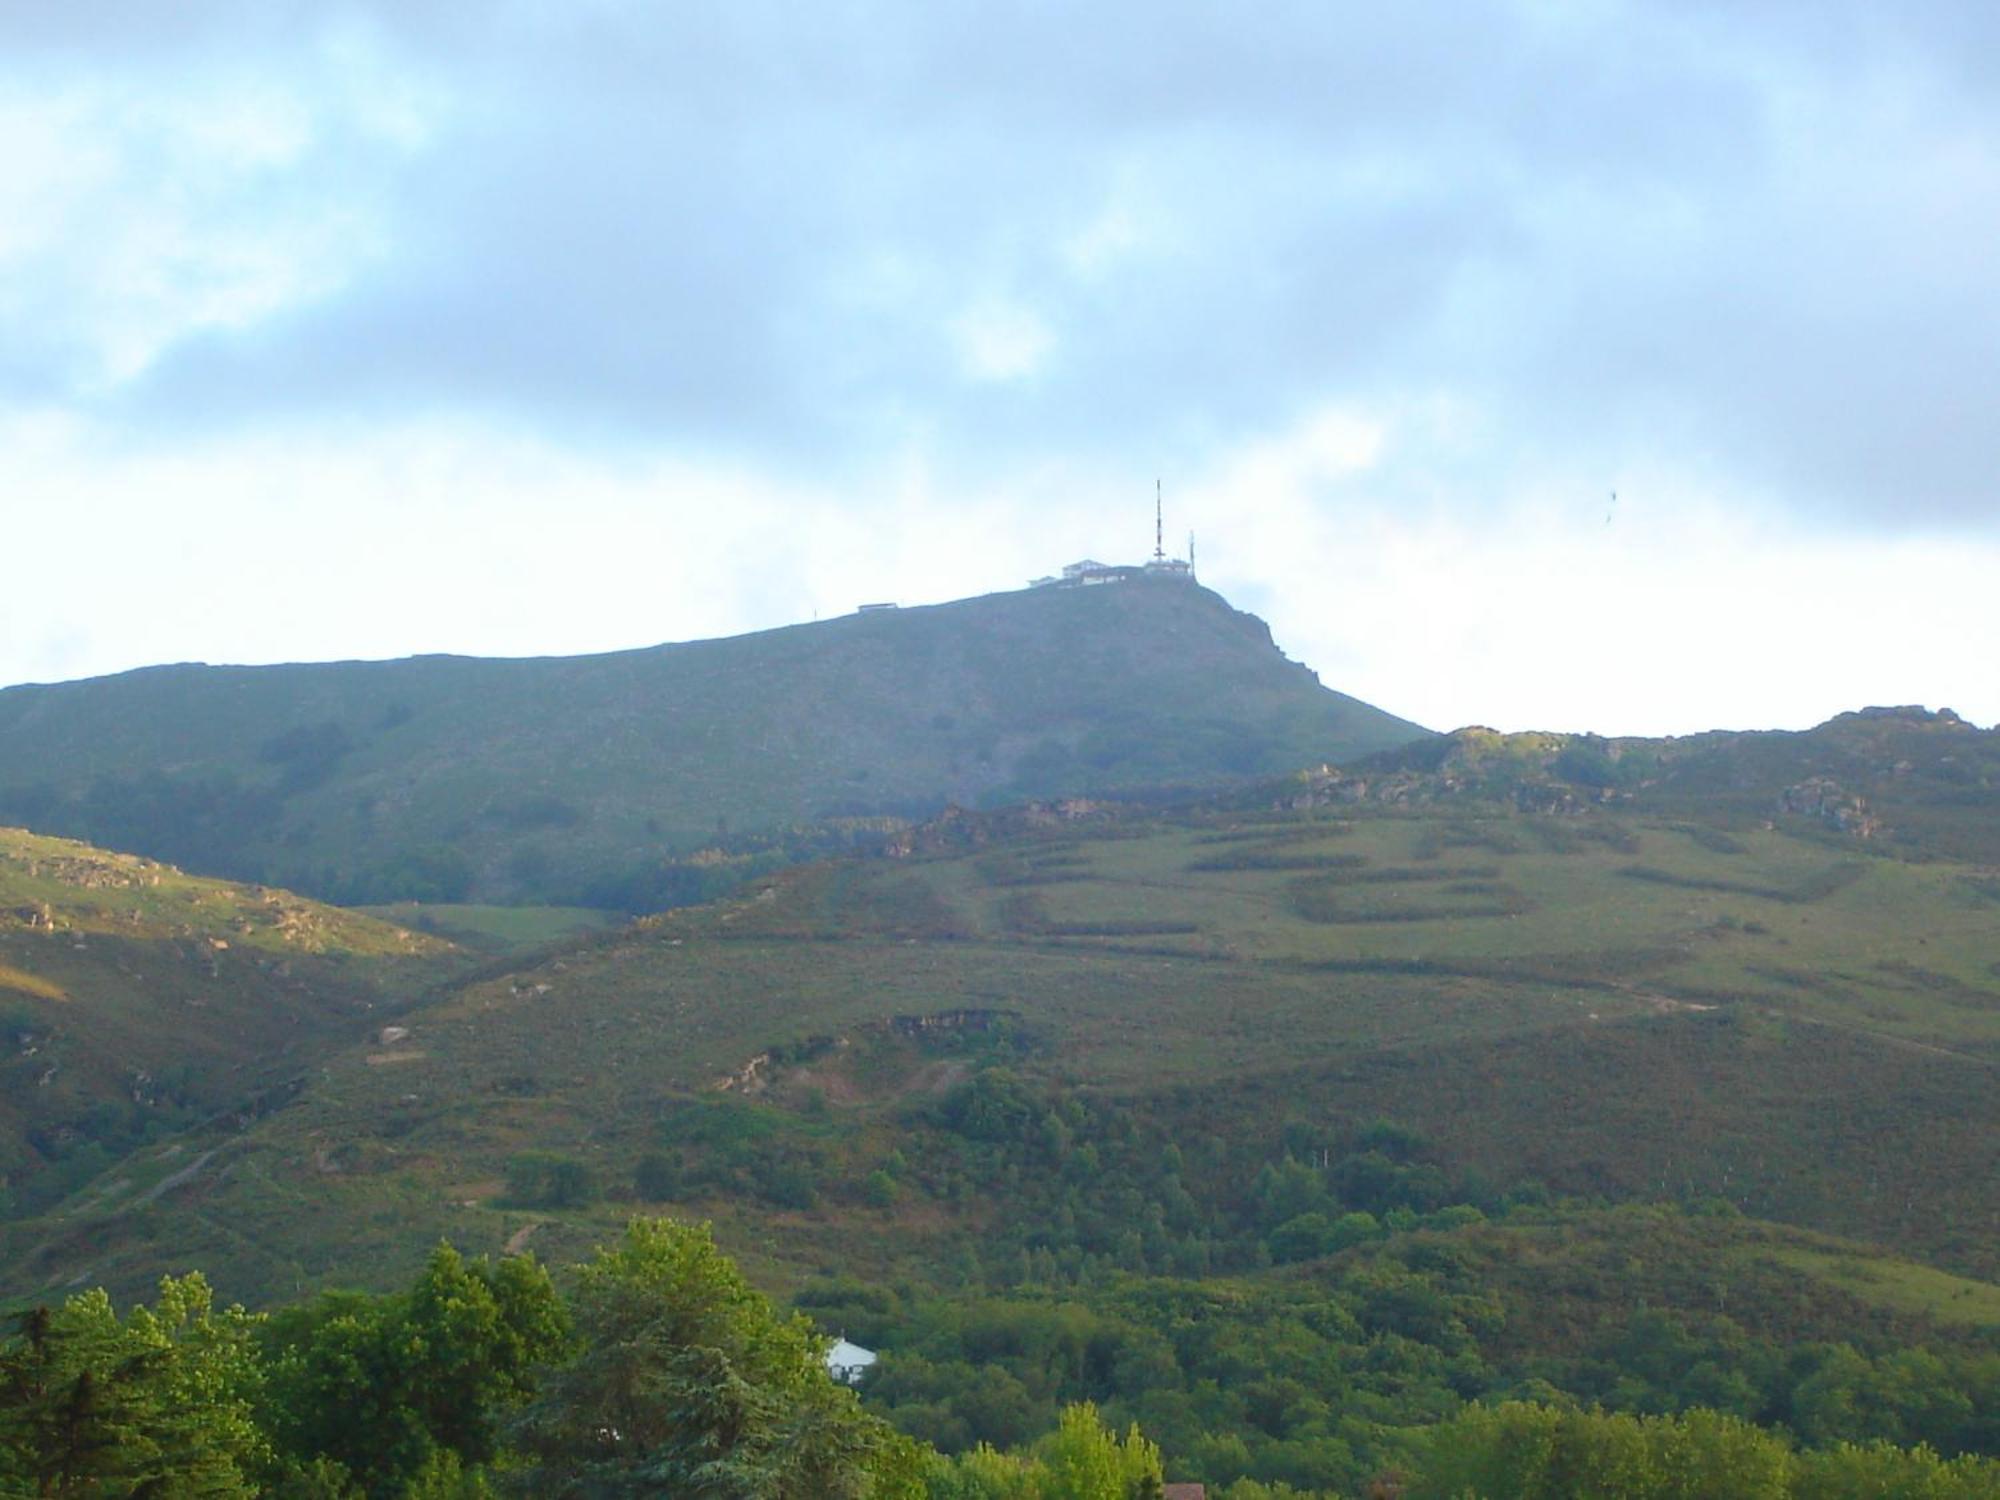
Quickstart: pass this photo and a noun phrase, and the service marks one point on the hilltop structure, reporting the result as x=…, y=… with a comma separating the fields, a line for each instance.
x=1088, y=571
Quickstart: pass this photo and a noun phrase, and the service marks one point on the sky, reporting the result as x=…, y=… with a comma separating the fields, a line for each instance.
x=1565, y=364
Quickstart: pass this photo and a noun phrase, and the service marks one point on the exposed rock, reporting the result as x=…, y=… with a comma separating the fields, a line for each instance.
x=1911, y=713
x=1535, y=793
x=959, y=828
x=1823, y=798
x=751, y=1078
x=950, y=1020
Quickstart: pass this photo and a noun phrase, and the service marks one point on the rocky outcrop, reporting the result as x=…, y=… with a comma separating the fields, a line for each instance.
x=1533, y=793
x=938, y=1022
x=958, y=829
x=752, y=1078
x=1824, y=799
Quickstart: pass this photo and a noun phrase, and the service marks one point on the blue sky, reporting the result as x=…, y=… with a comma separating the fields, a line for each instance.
x=371, y=329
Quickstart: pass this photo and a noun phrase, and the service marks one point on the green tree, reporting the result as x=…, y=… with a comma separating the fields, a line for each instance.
x=1881, y=1471
x=382, y=1386
x=1520, y=1451
x=1084, y=1460
x=686, y=1381
x=1081, y=1460
x=159, y=1404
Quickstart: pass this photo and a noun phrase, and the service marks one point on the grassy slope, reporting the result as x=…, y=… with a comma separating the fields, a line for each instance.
x=1509, y=984
x=134, y=994
x=564, y=767
x=494, y=929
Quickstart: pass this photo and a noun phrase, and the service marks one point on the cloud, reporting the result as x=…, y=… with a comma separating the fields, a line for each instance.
x=999, y=340
x=1750, y=231
x=1398, y=274
x=147, y=209
x=1661, y=611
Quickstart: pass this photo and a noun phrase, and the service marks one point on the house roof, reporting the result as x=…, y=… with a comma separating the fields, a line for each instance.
x=844, y=1355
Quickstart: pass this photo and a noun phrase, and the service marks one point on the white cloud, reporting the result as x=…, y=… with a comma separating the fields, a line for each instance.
x=1680, y=614
x=1001, y=340
x=419, y=329
x=143, y=208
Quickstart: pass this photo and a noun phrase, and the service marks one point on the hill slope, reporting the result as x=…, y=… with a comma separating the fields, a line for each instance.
x=1609, y=1004
x=440, y=776
x=1278, y=1131
x=1907, y=781
x=135, y=1000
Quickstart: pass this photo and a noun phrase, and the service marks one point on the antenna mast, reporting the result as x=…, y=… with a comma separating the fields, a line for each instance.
x=1159, y=532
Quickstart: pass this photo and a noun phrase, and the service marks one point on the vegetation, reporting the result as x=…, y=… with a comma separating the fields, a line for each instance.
x=596, y=780
x=656, y=1368
x=1545, y=1453
x=137, y=1002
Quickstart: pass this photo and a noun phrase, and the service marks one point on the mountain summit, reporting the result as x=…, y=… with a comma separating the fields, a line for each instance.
x=439, y=777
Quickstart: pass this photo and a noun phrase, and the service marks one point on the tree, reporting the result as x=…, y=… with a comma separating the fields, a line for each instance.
x=1080, y=1460
x=382, y=1386
x=1087, y=1461
x=158, y=1404
x=1519, y=1451
x=687, y=1381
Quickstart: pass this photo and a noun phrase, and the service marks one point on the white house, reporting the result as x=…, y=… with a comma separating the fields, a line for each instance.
x=847, y=1362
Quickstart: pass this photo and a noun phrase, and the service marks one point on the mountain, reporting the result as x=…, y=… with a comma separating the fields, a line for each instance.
x=136, y=1001
x=436, y=778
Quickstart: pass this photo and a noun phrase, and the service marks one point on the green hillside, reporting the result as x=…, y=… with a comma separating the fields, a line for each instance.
x=1610, y=1005
x=136, y=1001
x=567, y=779
x=1285, y=1130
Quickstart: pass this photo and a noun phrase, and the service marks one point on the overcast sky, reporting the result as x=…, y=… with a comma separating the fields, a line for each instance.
x=333, y=330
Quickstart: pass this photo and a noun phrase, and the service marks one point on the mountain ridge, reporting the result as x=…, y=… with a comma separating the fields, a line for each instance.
x=436, y=776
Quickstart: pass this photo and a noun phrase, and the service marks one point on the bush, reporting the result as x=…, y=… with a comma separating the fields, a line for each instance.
x=658, y=1177
x=547, y=1179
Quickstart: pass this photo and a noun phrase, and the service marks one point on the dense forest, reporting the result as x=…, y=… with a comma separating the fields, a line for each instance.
x=654, y=1368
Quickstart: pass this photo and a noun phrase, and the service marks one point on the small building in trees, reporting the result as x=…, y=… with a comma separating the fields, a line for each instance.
x=848, y=1362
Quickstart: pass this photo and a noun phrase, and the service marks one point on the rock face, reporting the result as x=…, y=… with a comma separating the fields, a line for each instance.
x=1823, y=798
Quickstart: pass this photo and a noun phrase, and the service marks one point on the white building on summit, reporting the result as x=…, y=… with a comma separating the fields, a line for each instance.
x=1090, y=571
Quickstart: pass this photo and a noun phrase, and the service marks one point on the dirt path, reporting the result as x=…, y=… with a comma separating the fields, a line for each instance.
x=1888, y=1039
